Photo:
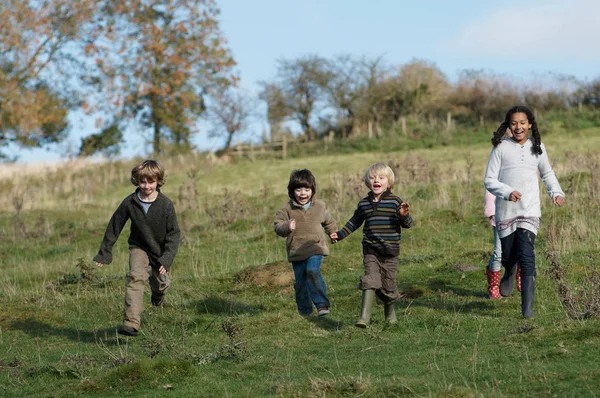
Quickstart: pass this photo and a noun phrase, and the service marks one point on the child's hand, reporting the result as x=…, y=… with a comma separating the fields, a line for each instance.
x=515, y=196
x=99, y=264
x=162, y=270
x=292, y=224
x=334, y=237
x=558, y=200
x=404, y=208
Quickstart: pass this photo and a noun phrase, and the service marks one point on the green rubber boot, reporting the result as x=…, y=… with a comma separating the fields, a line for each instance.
x=390, y=313
x=366, y=305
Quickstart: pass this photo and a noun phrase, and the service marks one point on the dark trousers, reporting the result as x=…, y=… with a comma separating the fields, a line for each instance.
x=518, y=247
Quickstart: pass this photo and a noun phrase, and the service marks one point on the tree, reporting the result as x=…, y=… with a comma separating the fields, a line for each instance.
x=297, y=83
x=36, y=59
x=424, y=87
x=106, y=141
x=343, y=80
x=589, y=94
x=482, y=94
x=276, y=109
x=371, y=107
x=156, y=61
x=230, y=113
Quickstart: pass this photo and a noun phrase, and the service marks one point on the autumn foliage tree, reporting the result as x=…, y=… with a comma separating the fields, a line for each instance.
x=230, y=112
x=155, y=63
x=36, y=59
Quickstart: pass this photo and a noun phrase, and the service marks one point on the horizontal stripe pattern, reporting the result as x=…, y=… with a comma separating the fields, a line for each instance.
x=383, y=224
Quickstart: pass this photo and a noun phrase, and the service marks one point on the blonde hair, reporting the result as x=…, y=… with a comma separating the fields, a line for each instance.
x=379, y=169
x=148, y=170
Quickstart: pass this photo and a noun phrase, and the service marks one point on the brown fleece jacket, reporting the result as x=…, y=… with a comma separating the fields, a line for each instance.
x=308, y=238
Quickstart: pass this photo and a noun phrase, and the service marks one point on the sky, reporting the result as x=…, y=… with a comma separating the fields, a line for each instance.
x=517, y=38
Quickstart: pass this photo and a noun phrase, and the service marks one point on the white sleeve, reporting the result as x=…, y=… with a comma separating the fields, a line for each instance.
x=548, y=176
x=491, y=181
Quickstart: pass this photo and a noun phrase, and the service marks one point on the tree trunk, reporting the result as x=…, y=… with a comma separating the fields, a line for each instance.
x=156, y=139
x=228, y=142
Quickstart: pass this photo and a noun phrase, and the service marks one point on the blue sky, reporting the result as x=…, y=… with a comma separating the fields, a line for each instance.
x=518, y=38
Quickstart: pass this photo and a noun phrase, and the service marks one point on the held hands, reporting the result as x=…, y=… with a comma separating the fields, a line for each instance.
x=334, y=237
x=404, y=208
x=99, y=264
x=515, y=196
x=292, y=224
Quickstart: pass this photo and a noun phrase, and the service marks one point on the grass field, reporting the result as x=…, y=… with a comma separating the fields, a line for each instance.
x=230, y=328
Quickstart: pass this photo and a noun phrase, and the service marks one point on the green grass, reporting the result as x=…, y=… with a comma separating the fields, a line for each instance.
x=230, y=327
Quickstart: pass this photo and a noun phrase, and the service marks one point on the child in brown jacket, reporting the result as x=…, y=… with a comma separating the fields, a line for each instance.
x=301, y=221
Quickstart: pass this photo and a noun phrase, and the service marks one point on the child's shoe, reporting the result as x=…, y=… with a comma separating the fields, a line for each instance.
x=157, y=299
x=323, y=311
x=127, y=331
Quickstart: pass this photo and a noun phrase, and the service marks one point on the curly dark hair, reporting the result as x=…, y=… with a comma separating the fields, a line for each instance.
x=301, y=179
x=499, y=133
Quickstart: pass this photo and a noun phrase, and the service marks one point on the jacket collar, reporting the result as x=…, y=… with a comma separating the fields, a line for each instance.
x=387, y=193
x=293, y=203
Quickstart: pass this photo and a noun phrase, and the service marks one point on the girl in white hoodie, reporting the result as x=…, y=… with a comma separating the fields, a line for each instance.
x=512, y=176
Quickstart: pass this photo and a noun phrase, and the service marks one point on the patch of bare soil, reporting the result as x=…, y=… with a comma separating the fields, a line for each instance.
x=274, y=275
x=466, y=267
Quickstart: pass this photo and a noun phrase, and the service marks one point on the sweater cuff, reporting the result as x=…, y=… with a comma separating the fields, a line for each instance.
x=102, y=259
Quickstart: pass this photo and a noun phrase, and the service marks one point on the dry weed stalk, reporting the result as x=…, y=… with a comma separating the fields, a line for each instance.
x=584, y=304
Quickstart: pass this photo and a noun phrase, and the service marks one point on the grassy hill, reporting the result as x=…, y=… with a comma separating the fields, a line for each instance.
x=230, y=327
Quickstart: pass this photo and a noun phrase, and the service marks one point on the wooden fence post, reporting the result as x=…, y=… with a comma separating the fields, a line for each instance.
x=284, y=147
x=449, y=121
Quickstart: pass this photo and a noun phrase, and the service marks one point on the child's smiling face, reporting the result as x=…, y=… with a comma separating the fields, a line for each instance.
x=519, y=127
x=378, y=183
x=148, y=188
x=302, y=195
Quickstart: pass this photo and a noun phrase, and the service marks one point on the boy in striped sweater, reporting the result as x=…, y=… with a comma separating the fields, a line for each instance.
x=384, y=215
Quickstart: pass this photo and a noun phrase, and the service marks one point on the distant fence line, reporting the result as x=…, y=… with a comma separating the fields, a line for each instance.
x=279, y=147
x=276, y=148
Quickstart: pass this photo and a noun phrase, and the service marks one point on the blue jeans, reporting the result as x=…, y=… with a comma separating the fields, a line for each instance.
x=518, y=247
x=496, y=260
x=309, y=286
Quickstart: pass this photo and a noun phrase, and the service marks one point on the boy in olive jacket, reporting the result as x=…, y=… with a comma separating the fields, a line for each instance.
x=301, y=221
x=153, y=241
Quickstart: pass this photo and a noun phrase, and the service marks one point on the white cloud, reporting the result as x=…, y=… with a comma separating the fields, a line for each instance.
x=551, y=30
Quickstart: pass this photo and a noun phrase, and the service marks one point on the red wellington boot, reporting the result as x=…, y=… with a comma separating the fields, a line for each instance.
x=493, y=284
x=518, y=277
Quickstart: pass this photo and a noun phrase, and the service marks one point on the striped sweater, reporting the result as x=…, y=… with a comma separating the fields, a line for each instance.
x=382, y=230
